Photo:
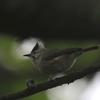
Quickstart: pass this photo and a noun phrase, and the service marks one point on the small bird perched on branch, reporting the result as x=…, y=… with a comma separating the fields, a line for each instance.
x=54, y=61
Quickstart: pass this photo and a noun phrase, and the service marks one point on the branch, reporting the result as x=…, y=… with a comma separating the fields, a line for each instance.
x=50, y=84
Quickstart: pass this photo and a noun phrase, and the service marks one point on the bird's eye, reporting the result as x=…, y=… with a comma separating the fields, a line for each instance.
x=34, y=52
x=33, y=57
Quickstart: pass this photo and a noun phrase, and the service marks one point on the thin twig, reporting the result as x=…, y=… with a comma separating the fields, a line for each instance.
x=50, y=84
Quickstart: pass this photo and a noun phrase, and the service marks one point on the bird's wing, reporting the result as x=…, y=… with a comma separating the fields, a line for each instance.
x=53, y=53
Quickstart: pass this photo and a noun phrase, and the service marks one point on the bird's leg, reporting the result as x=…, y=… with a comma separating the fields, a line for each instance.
x=70, y=71
x=51, y=78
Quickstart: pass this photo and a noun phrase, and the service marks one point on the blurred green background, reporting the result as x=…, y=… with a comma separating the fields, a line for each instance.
x=57, y=24
x=16, y=69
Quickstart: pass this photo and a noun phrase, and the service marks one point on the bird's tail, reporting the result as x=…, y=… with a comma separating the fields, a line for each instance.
x=91, y=48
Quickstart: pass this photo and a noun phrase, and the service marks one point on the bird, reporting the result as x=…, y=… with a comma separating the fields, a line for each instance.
x=56, y=60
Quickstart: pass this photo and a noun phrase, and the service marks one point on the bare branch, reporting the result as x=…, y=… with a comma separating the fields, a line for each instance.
x=50, y=84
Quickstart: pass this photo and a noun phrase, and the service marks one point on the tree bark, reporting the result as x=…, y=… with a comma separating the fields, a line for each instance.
x=33, y=89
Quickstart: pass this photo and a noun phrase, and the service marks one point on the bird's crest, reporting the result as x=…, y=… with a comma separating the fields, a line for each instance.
x=37, y=46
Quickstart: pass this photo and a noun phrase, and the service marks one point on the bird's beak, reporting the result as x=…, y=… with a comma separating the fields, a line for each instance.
x=28, y=55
